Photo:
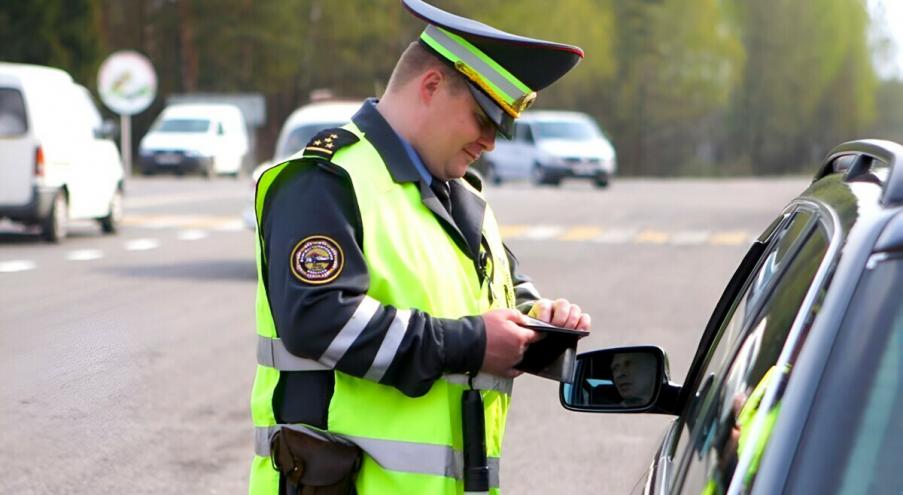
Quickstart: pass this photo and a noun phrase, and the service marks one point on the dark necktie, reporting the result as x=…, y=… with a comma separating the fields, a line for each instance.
x=443, y=193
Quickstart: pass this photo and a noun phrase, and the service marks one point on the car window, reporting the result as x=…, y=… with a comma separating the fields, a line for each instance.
x=523, y=133
x=84, y=109
x=741, y=310
x=13, y=120
x=731, y=423
x=866, y=457
x=300, y=136
x=183, y=125
x=566, y=129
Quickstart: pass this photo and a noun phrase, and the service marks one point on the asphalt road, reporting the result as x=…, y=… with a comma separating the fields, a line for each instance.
x=128, y=359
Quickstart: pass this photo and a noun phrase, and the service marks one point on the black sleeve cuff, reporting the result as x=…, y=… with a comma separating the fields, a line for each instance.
x=465, y=344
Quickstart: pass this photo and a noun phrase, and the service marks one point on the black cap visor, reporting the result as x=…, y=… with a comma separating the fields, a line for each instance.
x=504, y=123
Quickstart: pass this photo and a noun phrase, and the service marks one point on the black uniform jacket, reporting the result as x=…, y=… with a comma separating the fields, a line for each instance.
x=319, y=200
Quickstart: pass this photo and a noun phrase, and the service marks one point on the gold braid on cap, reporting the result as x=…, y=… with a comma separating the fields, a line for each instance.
x=514, y=110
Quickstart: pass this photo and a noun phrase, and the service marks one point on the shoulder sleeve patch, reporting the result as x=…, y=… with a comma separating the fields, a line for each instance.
x=317, y=260
x=328, y=141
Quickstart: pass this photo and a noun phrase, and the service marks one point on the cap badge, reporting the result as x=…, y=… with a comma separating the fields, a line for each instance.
x=524, y=101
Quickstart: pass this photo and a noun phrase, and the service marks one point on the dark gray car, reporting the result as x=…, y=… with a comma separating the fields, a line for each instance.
x=797, y=384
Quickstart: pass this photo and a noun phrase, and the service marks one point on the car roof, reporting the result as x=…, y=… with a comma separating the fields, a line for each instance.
x=33, y=79
x=860, y=186
x=861, y=183
x=553, y=115
x=35, y=72
x=200, y=110
x=329, y=111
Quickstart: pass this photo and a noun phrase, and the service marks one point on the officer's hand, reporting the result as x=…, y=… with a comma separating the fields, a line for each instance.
x=506, y=342
x=561, y=313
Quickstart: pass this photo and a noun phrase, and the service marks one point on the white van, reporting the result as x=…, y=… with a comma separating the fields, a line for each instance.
x=210, y=138
x=549, y=146
x=299, y=128
x=57, y=162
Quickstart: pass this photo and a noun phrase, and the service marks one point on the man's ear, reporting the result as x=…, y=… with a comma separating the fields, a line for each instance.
x=430, y=82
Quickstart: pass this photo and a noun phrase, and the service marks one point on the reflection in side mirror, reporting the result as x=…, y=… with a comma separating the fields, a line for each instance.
x=620, y=380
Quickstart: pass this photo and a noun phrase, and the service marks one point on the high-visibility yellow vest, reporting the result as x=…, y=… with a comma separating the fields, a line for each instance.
x=411, y=445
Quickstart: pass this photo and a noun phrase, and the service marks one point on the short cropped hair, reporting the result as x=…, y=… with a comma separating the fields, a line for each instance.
x=415, y=60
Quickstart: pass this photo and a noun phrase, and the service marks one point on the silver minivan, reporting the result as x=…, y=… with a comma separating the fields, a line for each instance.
x=549, y=146
x=57, y=161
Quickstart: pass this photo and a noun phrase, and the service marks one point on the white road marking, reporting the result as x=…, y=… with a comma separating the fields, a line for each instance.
x=616, y=236
x=191, y=227
x=650, y=236
x=225, y=223
x=732, y=238
x=233, y=225
x=192, y=235
x=690, y=237
x=171, y=199
x=16, y=266
x=84, y=255
x=142, y=244
x=542, y=232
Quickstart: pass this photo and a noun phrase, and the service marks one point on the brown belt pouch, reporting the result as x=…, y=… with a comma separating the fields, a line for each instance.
x=317, y=465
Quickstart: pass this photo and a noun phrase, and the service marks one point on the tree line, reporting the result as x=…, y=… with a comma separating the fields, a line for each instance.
x=683, y=87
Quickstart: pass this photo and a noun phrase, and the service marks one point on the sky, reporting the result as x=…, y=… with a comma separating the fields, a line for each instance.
x=888, y=17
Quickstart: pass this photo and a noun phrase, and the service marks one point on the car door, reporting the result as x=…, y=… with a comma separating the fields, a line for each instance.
x=525, y=151
x=509, y=160
x=744, y=359
x=18, y=147
x=95, y=167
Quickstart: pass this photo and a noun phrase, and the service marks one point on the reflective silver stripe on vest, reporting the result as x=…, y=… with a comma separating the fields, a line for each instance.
x=350, y=332
x=391, y=455
x=264, y=434
x=483, y=381
x=273, y=354
x=389, y=346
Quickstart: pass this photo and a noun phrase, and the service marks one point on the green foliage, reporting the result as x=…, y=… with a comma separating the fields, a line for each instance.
x=50, y=32
x=808, y=81
x=889, y=122
x=678, y=66
x=684, y=87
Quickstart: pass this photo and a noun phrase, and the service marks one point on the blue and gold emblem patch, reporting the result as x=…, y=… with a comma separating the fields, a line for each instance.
x=317, y=260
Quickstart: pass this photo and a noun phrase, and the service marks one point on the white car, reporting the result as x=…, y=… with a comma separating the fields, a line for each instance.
x=296, y=132
x=210, y=138
x=57, y=161
x=549, y=146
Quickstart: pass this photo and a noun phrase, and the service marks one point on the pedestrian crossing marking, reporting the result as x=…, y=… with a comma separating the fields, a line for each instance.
x=189, y=225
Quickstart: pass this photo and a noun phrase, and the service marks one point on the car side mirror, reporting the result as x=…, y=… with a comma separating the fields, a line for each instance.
x=622, y=379
x=107, y=130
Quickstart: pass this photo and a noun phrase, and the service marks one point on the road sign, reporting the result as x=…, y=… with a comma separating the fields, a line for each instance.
x=127, y=82
x=127, y=85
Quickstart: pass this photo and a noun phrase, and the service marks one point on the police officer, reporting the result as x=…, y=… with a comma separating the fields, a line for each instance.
x=385, y=290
